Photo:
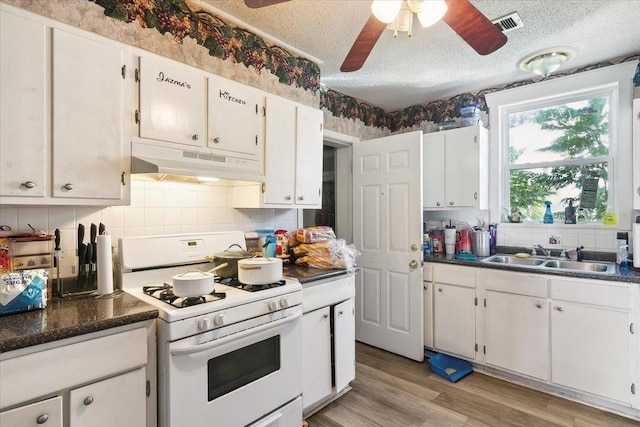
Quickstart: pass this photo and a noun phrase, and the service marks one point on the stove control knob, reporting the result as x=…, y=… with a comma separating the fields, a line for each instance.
x=284, y=302
x=219, y=320
x=273, y=305
x=204, y=324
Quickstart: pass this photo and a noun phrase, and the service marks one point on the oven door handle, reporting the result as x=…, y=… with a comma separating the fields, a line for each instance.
x=238, y=335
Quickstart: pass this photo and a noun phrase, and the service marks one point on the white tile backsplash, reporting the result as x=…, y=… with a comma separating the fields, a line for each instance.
x=156, y=208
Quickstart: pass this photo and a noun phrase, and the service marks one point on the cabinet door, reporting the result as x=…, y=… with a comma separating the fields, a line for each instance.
x=279, y=162
x=308, y=173
x=88, y=117
x=316, y=341
x=590, y=349
x=454, y=320
x=517, y=333
x=233, y=117
x=433, y=171
x=47, y=413
x=461, y=167
x=118, y=401
x=428, y=313
x=636, y=153
x=344, y=337
x=172, y=103
x=22, y=107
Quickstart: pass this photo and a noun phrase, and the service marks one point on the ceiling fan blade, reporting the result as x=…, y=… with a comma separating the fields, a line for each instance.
x=361, y=48
x=470, y=24
x=255, y=4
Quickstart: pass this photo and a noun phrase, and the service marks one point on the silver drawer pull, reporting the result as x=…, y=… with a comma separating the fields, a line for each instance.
x=28, y=184
x=538, y=305
x=42, y=419
x=68, y=186
x=558, y=308
x=88, y=400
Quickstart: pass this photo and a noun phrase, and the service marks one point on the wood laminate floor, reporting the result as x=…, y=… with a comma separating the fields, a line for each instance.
x=392, y=391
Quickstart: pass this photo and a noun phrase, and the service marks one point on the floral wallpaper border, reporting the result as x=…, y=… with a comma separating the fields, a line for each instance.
x=223, y=40
x=344, y=106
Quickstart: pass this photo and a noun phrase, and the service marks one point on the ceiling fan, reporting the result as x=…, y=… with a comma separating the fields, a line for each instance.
x=463, y=17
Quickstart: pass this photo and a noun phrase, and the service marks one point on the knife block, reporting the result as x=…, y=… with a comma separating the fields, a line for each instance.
x=83, y=283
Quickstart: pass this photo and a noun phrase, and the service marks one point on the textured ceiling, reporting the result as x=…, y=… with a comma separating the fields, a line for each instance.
x=436, y=63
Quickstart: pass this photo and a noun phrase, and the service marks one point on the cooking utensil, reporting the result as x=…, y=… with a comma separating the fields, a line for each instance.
x=195, y=283
x=230, y=257
x=259, y=270
x=92, y=241
x=481, y=240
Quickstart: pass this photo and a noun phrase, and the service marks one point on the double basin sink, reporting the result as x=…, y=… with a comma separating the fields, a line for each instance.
x=551, y=264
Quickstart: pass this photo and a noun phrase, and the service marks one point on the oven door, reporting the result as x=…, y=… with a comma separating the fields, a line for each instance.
x=234, y=375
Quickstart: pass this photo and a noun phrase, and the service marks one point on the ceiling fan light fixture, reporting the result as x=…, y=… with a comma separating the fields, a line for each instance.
x=546, y=61
x=386, y=10
x=429, y=11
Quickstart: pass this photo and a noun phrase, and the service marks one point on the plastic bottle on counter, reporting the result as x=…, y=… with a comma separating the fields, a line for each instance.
x=437, y=241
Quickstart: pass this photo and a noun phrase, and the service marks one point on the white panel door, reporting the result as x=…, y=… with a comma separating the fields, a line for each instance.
x=23, y=138
x=89, y=99
x=387, y=192
x=454, y=316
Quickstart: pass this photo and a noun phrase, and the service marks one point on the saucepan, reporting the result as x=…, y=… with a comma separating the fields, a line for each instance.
x=259, y=270
x=230, y=258
x=194, y=283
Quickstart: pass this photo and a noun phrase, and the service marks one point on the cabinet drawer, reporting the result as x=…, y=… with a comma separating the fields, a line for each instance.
x=596, y=293
x=460, y=276
x=47, y=412
x=513, y=283
x=327, y=292
x=427, y=272
x=38, y=374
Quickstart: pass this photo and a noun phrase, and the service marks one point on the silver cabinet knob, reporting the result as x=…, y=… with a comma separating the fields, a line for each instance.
x=450, y=203
x=437, y=203
x=42, y=419
x=287, y=198
x=301, y=198
x=88, y=400
x=325, y=315
x=558, y=308
x=439, y=289
x=28, y=184
x=340, y=313
x=538, y=305
x=195, y=137
x=68, y=186
x=216, y=140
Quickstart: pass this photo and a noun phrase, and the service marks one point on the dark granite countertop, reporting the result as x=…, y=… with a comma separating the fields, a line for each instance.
x=632, y=277
x=308, y=274
x=70, y=317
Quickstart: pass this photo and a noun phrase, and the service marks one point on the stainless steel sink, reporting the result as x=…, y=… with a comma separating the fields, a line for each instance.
x=513, y=260
x=586, y=266
x=541, y=264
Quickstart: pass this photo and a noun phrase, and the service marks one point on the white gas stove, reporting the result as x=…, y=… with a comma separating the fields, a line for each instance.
x=253, y=334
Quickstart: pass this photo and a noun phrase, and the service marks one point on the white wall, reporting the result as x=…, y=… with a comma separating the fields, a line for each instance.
x=156, y=208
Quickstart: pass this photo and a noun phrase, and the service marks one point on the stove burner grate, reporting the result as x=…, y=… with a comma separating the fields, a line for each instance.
x=165, y=293
x=234, y=282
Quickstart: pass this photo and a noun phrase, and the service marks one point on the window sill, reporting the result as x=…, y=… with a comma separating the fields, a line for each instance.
x=560, y=225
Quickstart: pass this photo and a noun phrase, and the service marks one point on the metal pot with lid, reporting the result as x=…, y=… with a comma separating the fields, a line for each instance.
x=231, y=256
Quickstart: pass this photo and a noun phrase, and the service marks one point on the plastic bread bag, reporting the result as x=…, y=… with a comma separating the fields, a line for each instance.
x=339, y=256
x=320, y=248
x=315, y=234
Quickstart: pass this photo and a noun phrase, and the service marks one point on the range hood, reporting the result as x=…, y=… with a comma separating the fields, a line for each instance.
x=178, y=164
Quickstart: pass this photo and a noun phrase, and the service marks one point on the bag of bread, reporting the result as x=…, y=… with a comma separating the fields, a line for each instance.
x=315, y=234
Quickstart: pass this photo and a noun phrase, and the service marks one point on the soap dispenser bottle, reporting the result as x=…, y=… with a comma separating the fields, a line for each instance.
x=570, y=213
x=548, y=216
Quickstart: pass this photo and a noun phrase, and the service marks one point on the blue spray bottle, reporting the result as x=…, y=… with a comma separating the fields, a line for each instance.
x=548, y=215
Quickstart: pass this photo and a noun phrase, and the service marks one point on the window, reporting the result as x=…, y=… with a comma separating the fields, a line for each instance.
x=560, y=153
x=560, y=139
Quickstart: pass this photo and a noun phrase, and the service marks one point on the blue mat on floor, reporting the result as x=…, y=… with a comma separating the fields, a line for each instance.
x=448, y=367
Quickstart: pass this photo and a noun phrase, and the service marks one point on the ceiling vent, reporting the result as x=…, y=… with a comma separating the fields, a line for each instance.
x=509, y=22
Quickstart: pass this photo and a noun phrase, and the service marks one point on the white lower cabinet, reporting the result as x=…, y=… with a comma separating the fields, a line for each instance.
x=517, y=333
x=47, y=413
x=591, y=338
x=328, y=339
x=121, y=400
x=454, y=310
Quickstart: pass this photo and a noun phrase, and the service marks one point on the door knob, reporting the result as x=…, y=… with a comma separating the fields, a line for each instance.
x=414, y=247
x=413, y=264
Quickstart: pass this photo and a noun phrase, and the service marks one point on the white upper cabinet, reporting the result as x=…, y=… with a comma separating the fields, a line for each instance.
x=23, y=120
x=64, y=114
x=172, y=102
x=636, y=153
x=308, y=185
x=280, y=146
x=455, y=166
x=89, y=97
x=234, y=117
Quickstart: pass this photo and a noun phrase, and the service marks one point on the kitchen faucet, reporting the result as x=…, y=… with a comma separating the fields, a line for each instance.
x=542, y=250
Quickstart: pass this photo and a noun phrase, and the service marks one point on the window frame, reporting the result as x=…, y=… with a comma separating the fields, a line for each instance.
x=615, y=78
x=560, y=99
